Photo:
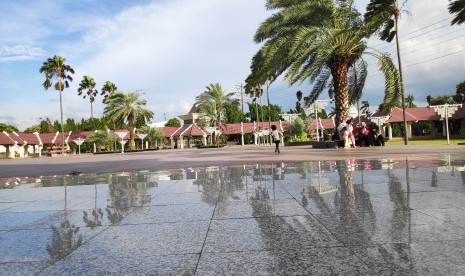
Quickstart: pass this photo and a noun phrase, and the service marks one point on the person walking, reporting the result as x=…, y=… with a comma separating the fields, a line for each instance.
x=275, y=134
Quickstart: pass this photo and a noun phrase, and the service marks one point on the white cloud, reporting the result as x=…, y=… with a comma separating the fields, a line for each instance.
x=20, y=52
x=172, y=50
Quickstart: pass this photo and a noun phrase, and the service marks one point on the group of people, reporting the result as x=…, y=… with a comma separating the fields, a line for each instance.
x=358, y=136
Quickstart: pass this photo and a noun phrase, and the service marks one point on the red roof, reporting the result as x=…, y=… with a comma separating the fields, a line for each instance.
x=323, y=124
x=52, y=138
x=30, y=138
x=5, y=139
x=423, y=113
x=168, y=131
x=189, y=131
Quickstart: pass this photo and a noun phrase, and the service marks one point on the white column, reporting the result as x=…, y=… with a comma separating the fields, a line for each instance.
x=204, y=140
x=181, y=141
x=390, y=131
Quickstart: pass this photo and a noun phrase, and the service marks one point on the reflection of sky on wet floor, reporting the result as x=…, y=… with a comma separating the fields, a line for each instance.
x=363, y=217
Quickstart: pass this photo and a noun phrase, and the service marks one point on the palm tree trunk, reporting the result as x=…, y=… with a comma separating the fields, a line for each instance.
x=401, y=79
x=91, y=111
x=339, y=70
x=269, y=109
x=61, y=116
x=132, y=143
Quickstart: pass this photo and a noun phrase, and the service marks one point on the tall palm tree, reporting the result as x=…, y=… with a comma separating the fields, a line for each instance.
x=55, y=68
x=87, y=85
x=457, y=7
x=318, y=41
x=409, y=101
x=127, y=107
x=108, y=90
x=365, y=108
x=215, y=100
x=385, y=14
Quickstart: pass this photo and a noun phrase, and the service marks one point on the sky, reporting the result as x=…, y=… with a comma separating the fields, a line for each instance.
x=172, y=49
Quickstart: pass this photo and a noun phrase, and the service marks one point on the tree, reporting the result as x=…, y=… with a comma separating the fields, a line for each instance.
x=127, y=107
x=298, y=130
x=108, y=90
x=385, y=14
x=321, y=41
x=173, y=122
x=55, y=68
x=102, y=138
x=460, y=88
x=88, y=85
x=213, y=103
x=365, y=108
x=32, y=129
x=154, y=135
x=409, y=101
x=233, y=114
x=7, y=128
x=457, y=7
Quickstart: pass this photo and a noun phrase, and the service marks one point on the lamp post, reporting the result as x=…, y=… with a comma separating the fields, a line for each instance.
x=444, y=111
x=142, y=136
x=121, y=135
x=79, y=142
x=316, y=106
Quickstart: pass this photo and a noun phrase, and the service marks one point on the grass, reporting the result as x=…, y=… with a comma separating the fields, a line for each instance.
x=424, y=142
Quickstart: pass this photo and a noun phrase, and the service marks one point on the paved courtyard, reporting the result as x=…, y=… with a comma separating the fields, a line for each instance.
x=236, y=211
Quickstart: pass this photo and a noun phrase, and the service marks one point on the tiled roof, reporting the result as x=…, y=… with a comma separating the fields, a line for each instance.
x=48, y=138
x=5, y=139
x=168, y=131
x=423, y=113
x=30, y=138
x=323, y=124
x=189, y=131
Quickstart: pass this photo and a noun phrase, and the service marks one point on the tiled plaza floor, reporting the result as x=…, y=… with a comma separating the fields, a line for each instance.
x=346, y=217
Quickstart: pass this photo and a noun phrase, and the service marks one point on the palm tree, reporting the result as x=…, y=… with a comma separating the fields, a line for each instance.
x=385, y=14
x=88, y=85
x=127, y=107
x=55, y=68
x=318, y=41
x=457, y=7
x=214, y=102
x=365, y=108
x=108, y=90
x=409, y=101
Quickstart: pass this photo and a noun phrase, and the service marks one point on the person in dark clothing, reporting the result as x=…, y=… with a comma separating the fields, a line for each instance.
x=365, y=136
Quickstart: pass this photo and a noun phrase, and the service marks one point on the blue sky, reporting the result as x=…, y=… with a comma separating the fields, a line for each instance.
x=173, y=49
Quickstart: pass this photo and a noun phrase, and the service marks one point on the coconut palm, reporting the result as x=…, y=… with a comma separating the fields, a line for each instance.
x=214, y=102
x=108, y=90
x=365, y=108
x=320, y=41
x=87, y=85
x=127, y=107
x=55, y=68
x=409, y=101
x=457, y=7
x=385, y=14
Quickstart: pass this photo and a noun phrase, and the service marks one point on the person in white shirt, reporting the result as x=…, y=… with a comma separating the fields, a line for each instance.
x=275, y=134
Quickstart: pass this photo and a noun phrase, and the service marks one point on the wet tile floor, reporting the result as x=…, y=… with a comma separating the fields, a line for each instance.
x=349, y=217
